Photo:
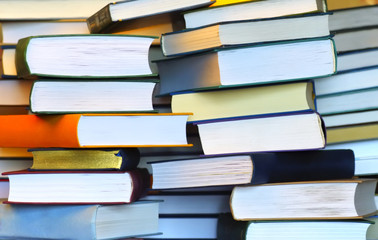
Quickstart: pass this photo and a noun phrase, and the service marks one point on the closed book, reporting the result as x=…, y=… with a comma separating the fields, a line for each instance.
x=228, y=228
x=354, y=18
x=263, y=133
x=85, y=159
x=79, y=221
x=117, y=12
x=337, y=199
x=8, y=65
x=244, y=32
x=248, y=65
x=93, y=130
x=347, y=4
x=8, y=164
x=77, y=187
x=356, y=59
x=253, y=168
x=352, y=118
x=251, y=10
x=349, y=133
x=15, y=92
x=94, y=96
x=86, y=56
x=236, y=102
x=356, y=39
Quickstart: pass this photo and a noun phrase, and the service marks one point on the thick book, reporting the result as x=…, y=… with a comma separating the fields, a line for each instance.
x=8, y=65
x=245, y=32
x=12, y=31
x=356, y=39
x=251, y=10
x=263, y=133
x=253, y=168
x=350, y=133
x=94, y=96
x=15, y=92
x=84, y=159
x=236, y=102
x=77, y=187
x=337, y=199
x=353, y=18
x=228, y=228
x=121, y=11
x=93, y=130
x=79, y=221
x=49, y=10
x=248, y=65
x=85, y=56
x=347, y=102
x=346, y=81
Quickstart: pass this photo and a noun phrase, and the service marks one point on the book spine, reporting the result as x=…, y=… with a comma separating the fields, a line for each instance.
x=22, y=67
x=141, y=180
x=228, y=228
x=100, y=20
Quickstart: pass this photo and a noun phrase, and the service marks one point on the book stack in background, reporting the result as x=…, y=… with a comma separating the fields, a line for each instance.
x=348, y=100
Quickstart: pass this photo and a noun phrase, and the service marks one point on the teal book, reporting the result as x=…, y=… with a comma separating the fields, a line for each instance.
x=248, y=65
x=79, y=221
x=83, y=56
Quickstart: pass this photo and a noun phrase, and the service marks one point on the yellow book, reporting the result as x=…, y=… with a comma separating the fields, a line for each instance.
x=344, y=4
x=245, y=101
x=228, y=2
x=352, y=133
x=85, y=159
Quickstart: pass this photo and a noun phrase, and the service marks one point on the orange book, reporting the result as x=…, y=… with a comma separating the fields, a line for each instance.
x=93, y=130
x=346, y=4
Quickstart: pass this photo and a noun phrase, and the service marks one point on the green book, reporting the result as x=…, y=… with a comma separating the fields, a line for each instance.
x=83, y=56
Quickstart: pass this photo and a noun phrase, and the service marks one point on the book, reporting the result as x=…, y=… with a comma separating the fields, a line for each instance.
x=314, y=200
x=8, y=164
x=263, y=133
x=356, y=39
x=185, y=227
x=345, y=4
x=4, y=189
x=13, y=110
x=351, y=133
x=372, y=232
x=244, y=32
x=248, y=65
x=228, y=2
x=8, y=65
x=78, y=96
x=93, y=130
x=114, y=13
x=52, y=9
x=253, y=168
x=77, y=187
x=15, y=152
x=12, y=31
x=79, y=221
x=352, y=118
x=344, y=102
x=347, y=81
x=84, y=159
x=251, y=10
x=15, y=92
x=366, y=155
x=236, y=102
x=228, y=228
x=353, y=18
x=86, y=56
x=357, y=59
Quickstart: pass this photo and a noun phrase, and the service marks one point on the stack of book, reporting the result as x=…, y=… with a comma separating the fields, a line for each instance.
x=348, y=100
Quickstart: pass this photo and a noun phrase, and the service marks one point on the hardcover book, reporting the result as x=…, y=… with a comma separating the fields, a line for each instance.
x=263, y=133
x=79, y=221
x=96, y=96
x=228, y=228
x=244, y=32
x=253, y=168
x=86, y=56
x=85, y=159
x=236, y=102
x=314, y=200
x=93, y=130
x=118, y=12
x=248, y=65
x=77, y=187
x=251, y=10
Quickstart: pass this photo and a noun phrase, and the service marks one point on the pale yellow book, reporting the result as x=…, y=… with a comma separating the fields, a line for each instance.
x=352, y=133
x=228, y=103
